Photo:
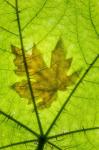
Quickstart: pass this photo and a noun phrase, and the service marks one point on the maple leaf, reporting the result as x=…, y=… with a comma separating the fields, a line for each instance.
x=45, y=81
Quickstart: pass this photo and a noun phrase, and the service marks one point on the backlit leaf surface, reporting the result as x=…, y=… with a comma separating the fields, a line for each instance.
x=69, y=118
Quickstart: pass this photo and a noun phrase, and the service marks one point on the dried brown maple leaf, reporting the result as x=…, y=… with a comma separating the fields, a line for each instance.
x=45, y=81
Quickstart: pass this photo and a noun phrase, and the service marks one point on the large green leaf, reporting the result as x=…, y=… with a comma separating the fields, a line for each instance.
x=72, y=121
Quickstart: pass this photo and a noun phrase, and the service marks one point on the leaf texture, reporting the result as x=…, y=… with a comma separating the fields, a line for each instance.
x=48, y=80
x=49, y=73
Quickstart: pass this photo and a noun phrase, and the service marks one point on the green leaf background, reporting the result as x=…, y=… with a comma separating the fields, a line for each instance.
x=43, y=22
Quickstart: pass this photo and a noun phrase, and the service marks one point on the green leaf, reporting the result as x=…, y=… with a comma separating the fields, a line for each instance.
x=72, y=120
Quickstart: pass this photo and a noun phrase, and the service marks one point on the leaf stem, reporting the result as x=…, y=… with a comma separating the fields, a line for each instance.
x=73, y=132
x=26, y=68
x=53, y=145
x=41, y=143
x=18, y=143
x=72, y=92
x=18, y=123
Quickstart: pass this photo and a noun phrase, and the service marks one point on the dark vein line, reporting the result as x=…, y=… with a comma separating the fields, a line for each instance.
x=17, y=144
x=70, y=146
x=77, y=33
x=72, y=92
x=37, y=13
x=18, y=123
x=26, y=69
x=5, y=119
x=3, y=14
x=93, y=82
x=61, y=17
x=73, y=132
x=93, y=146
x=81, y=97
x=54, y=145
x=4, y=29
x=9, y=4
x=91, y=19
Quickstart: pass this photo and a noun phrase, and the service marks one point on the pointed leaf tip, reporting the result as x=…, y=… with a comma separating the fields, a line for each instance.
x=16, y=50
x=59, y=44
